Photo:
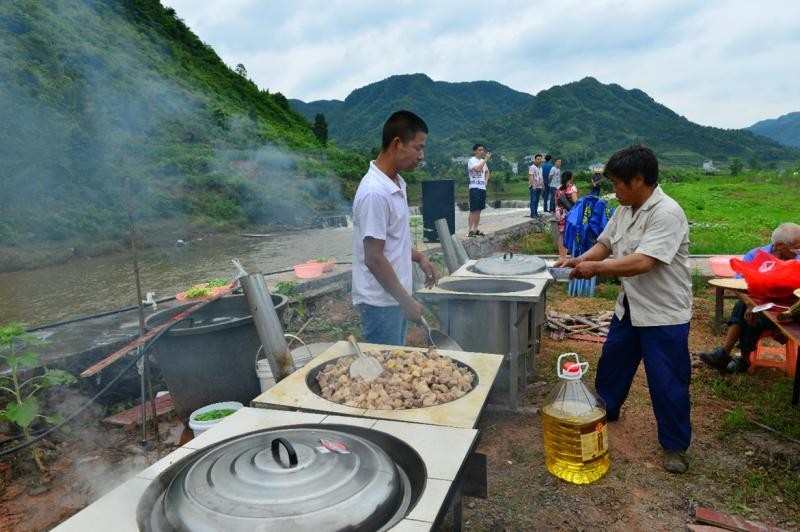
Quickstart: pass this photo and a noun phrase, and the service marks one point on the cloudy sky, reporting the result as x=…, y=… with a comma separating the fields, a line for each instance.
x=723, y=63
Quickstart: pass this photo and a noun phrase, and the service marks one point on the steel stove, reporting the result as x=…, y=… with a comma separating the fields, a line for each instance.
x=443, y=451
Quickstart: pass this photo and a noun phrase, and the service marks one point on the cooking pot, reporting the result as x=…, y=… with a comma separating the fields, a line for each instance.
x=298, y=477
x=509, y=264
x=313, y=383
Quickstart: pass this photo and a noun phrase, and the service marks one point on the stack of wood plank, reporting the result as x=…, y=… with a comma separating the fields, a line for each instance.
x=588, y=327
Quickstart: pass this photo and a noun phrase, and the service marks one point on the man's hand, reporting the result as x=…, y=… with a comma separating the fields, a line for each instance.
x=566, y=263
x=584, y=269
x=749, y=317
x=412, y=310
x=431, y=275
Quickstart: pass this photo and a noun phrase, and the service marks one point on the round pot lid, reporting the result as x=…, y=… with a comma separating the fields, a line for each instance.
x=292, y=479
x=509, y=264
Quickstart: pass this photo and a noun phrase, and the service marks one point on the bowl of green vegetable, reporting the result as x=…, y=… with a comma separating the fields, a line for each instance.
x=203, y=290
x=206, y=417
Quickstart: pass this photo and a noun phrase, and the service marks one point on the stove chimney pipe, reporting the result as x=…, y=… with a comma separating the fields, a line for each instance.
x=268, y=325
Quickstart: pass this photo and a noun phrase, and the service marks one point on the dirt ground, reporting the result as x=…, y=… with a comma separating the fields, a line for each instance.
x=636, y=494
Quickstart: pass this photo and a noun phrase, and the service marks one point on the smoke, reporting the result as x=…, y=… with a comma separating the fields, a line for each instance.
x=90, y=97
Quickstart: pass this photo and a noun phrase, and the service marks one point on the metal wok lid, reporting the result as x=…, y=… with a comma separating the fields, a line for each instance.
x=296, y=478
x=509, y=264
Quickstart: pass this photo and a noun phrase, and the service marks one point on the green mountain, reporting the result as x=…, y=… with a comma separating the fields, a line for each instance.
x=580, y=122
x=784, y=129
x=587, y=120
x=97, y=92
x=446, y=107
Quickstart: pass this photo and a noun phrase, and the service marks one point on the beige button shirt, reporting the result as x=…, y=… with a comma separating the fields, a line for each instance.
x=662, y=296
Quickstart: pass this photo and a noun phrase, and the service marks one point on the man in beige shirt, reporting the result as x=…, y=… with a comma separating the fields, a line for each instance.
x=648, y=240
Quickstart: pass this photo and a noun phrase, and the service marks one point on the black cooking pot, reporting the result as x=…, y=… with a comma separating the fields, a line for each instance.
x=299, y=477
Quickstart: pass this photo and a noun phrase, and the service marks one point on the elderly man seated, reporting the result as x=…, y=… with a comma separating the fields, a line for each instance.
x=744, y=326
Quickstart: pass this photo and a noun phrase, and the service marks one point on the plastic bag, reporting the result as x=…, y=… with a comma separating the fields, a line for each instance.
x=768, y=276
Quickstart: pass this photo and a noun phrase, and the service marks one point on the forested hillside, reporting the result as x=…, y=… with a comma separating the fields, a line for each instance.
x=587, y=120
x=581, y=122
x=446, y=107
x=97, y=91
x=784, y=129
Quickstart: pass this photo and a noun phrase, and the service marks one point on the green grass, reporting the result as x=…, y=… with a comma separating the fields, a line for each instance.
x=728, y=214
x=765, y=400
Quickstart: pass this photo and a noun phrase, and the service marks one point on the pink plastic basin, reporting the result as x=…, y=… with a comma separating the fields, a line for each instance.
x=309, y=270
x=721, y=265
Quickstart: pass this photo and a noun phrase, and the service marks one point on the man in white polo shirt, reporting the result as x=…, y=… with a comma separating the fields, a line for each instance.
x=382, y=250
x=648, y=236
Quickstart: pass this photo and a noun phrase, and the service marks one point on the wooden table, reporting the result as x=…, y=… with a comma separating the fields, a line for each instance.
x=790, y=328
x=721, y=284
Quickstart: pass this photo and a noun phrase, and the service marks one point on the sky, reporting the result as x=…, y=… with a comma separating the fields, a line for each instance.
x=722, y=63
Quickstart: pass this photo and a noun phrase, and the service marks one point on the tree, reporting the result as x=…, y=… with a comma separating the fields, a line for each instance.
x=736, y=166
x=754, y=164
x=321, y=129
x=241, y=70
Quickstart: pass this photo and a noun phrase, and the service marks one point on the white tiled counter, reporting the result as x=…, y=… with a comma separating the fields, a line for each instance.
x=293, y=392
x=443, y=449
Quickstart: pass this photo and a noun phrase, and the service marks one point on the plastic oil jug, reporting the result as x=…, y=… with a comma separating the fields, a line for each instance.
x=574, y=426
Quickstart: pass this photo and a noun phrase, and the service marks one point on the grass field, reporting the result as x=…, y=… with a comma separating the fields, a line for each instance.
x=729, y=214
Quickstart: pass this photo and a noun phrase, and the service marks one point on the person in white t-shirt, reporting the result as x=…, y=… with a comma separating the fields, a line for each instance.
x=478, y=172
x=382, y=250
x=555, y=184
x=535, y=184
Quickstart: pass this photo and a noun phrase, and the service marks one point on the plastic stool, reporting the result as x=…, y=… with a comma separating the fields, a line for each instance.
x=788, y=363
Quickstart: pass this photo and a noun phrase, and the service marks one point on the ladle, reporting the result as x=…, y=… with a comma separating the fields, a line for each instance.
x=368, y=368
x=442, y=340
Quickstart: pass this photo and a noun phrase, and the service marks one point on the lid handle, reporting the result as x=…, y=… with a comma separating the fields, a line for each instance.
x=276, y=451
x=510, y=255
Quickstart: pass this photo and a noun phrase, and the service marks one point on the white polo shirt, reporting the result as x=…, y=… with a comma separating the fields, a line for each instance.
x=380, y=210
x=662, y=296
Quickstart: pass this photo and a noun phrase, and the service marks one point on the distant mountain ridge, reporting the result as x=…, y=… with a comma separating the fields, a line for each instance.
x=447, y=107
x=582, y=121
x=784, y=129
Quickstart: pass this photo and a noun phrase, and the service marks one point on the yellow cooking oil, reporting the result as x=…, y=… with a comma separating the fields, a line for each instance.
x=574, y=427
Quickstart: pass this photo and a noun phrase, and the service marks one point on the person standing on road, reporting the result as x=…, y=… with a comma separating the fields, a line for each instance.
x=535, y=184
x=648, y=236
x=546, y=167
x=478, y=171
x=382, y=250
x=555, y=183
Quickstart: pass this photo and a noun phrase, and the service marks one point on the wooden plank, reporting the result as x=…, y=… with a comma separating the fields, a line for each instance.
x=113, y=357
x=133, y=416
x=731, y=521
x=694, y=527
x=587, y=338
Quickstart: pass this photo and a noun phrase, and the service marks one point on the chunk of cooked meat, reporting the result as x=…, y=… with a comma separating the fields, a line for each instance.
x=411, y=379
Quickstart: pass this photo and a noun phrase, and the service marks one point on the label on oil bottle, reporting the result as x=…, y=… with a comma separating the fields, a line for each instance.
x=594, y=439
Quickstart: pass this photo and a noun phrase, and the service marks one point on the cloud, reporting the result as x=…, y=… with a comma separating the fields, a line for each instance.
x=720, y=63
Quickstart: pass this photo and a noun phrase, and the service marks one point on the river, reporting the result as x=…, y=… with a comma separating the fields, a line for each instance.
x=89, y=286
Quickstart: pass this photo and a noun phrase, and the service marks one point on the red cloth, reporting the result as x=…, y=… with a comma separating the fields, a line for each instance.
x=767, y=276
